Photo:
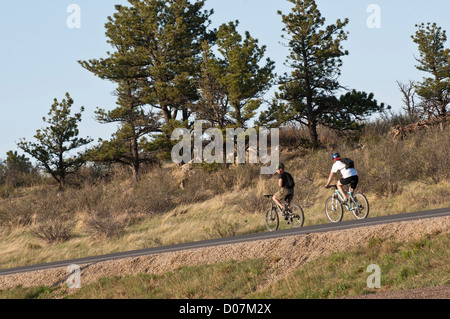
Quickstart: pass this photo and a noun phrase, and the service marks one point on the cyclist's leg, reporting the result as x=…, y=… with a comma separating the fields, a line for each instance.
x=289, y=197
x=278, y=197
x=339, y=185
x=289, y=194
x=352, y=182
x=353, y=185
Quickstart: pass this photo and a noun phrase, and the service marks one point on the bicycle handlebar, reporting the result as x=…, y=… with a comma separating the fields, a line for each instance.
x=332, y=186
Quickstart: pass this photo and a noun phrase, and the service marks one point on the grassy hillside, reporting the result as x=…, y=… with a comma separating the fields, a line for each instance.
x=171, y=205
x=417, y=263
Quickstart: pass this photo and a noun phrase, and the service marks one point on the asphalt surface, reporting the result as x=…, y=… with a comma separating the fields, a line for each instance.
x=238, y=239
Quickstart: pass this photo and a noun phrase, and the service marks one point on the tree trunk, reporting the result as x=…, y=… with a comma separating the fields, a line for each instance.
x=135, y=170
x=135, y=158
x=312, y=127
x=443, y=118
x=62, y=182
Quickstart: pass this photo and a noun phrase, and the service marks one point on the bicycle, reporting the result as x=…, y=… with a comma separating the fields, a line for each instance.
x=357, y=204
x=293, y=216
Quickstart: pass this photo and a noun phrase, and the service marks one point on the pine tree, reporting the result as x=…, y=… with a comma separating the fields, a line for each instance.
x=433, y=58
x=17, y=163
x=57, y=140
x=308, y=94
x=244, y=80
x=17, y=170
x=155, y=64
x=233, y=83
x=213, y=106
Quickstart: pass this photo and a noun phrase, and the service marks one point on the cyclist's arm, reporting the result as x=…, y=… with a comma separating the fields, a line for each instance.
x=330, y=178
x=280, y=182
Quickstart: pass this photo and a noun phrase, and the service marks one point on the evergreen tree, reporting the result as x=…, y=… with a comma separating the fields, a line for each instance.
x=16, y=170
x=155, y=64
x=17, y=163
x=232, y=84
x=434, y=58
x=57, y=140
x=213, y=106
x=308, y=94
x=241, y=76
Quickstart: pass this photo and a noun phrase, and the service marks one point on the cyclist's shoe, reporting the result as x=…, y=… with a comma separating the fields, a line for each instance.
x=345, y=202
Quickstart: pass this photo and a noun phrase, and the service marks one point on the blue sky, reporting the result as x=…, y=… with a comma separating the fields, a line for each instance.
x=39, y=53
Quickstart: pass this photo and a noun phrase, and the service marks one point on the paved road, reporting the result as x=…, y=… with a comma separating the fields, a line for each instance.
x=238, y=239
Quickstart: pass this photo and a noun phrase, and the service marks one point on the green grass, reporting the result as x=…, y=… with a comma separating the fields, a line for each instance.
x=415, y=264
x=404, y=265
x=20, y=292
x=225, y=280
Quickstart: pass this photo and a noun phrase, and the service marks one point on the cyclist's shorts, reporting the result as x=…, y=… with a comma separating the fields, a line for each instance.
x=286, y=194
x=352, y=180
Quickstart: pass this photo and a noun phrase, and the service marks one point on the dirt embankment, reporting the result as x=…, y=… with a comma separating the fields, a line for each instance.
x=284, y=256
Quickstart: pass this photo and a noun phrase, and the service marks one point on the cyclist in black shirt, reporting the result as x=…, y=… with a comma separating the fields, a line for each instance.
x=286, y=183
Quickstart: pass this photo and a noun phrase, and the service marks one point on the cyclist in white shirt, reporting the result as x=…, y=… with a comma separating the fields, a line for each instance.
x=349, y=176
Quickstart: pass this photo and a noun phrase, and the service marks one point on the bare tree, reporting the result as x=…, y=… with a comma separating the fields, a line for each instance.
x=409, y=93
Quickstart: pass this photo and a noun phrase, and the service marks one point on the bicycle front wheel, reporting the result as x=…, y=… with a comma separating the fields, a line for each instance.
x=334, y=209
x=362, y=206
x=272, y=220
x=296, y=218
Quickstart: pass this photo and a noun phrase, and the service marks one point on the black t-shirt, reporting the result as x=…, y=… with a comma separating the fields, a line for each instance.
x=284, y=179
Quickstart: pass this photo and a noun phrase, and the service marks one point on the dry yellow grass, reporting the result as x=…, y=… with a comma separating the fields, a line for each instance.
x=219, y=203
x=218, y=216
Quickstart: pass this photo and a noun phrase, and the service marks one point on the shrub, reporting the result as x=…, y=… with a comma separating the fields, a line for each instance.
x=253, y=203
x=54, y=211
x=106, y=223
x=53, y=230
x=16, y=213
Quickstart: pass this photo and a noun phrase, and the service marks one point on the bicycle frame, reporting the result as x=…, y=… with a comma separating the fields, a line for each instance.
x=352, y=205
x=281, y=210
x=357, y=204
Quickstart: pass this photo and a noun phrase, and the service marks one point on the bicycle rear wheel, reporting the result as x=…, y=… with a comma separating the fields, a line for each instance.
x=296, y=218
x=272, y=220
x=362, y=209
x=334, y=209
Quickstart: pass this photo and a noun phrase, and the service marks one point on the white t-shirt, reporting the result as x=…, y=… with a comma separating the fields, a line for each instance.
x=346, y=172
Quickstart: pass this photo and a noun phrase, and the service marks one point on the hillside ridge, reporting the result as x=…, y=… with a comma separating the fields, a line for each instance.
x=284, y=255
